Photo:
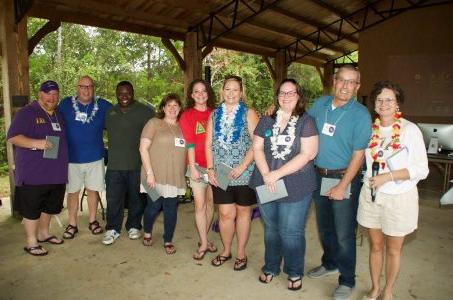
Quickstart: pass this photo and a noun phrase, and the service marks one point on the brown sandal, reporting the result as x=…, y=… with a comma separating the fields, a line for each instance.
x=170, y=249
x=220, y=260
x=70, y=232
x=95, y=228
x=240, y=264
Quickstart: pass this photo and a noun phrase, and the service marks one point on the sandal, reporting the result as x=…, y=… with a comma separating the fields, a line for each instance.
x=268, y=277
x=170, y=248
x=36, y=250
x=52, y=240
x=291, y=287
x=95, y=228
x=147, y=241
x=220, y=260
x=211, y=247
x=199, y=255
x=70, y=232
x=240, y=264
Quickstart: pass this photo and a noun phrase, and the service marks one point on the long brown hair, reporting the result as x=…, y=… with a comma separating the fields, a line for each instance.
x=190, y=102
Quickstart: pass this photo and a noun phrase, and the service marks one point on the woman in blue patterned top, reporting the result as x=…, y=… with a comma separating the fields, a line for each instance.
x=284, y=147
x=228, y=141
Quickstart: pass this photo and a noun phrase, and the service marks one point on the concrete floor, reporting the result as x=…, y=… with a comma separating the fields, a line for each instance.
x=83, y=268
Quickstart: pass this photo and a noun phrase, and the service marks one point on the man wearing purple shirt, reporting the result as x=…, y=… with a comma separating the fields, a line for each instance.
x=40, y=181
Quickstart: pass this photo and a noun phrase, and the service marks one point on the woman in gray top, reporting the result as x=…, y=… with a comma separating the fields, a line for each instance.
x=284, y=146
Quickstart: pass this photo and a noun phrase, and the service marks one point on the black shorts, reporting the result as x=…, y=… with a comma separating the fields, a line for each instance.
x=241, y=195
x=32, y=200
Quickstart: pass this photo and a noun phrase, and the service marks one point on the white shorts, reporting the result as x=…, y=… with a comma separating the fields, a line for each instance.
x=395, y=215
x=91, y=175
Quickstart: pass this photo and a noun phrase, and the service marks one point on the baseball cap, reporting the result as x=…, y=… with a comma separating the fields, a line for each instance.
x=48, y=86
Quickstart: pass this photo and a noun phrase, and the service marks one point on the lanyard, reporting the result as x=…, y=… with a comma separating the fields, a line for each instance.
x=338, y=120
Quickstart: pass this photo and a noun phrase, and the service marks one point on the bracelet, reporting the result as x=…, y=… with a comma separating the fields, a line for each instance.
x=210, y=169
x=391, y=175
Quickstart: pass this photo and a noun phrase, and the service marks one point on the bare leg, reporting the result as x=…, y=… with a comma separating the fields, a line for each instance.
x=209, y=208
x=376, y=260
x=199, y=194
x=227, y=215
x=31, y=230
x=392, y=264
x=92, y=199
x=73, y=206
x=243, y=220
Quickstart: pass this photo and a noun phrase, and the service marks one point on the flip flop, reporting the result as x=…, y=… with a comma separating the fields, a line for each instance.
x=199, y=255
x=267, y=279
x=147, y=241
x=31, y=250
x=49, y=240
x=293, y=281
x=170, y=249
x=211, y=247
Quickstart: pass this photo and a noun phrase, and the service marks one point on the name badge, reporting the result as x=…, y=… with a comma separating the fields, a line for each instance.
x=328, y=129
x=284, y=140
x=81, y=116
x=180, y=142
x=56, y=127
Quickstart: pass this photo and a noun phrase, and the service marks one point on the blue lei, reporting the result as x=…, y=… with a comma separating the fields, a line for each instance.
x=227, y=133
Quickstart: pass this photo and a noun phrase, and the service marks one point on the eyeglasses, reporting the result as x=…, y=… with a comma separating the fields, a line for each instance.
x=85, y=87
x=347, y=82
x=287, y=94
x=386, y=101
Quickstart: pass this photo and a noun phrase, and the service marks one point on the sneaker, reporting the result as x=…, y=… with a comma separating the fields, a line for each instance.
x=342, y=292
x=110, y=236
x=134, y=233
x=320, y=271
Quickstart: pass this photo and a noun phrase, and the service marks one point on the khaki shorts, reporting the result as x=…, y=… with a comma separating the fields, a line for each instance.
x=91, y=175
x=395, y=215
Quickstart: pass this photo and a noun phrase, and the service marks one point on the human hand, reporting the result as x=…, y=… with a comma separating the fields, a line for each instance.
x=270, y=177
x=336, y=193
x=378, y=180
x=212, y=179
x=43, y=144
x=237, y=171
x=151, y=180
x=194, y=174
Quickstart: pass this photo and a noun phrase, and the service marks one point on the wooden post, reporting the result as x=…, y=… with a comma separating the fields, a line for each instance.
x=14, y=43
x=280, y=68
x=192, y=59
x=327, y=78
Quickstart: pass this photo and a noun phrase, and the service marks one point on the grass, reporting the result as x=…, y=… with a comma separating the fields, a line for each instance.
x=4, y=186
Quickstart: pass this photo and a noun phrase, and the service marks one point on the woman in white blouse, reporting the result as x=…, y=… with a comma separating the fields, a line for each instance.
x=396, y=160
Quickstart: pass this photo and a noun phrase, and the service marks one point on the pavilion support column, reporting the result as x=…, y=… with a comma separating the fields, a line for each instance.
x=192, y=59
x=14, y=43
x=280, y=68
x=327, y=78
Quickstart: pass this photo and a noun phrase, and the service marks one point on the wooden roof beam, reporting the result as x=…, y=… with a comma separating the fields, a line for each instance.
x=333, y=9
x=49, y=12
x=169, y=45
x=310, y=22
x=49, y=27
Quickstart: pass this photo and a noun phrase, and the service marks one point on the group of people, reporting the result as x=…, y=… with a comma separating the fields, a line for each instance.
x=314, y=154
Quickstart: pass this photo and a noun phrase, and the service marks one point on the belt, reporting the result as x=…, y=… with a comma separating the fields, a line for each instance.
x=327, y=172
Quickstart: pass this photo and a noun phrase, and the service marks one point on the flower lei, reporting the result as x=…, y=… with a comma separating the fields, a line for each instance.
x=275, y=133
x=74, y=100
x=376, y=138
x=228, y=127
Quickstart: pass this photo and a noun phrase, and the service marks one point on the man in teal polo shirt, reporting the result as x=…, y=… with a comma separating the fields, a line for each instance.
x=124, y=123
x=345, y=128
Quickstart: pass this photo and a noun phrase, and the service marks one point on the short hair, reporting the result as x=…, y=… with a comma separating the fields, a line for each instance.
x=300, y=106
x=348, y=67
x=190, y=102
x=86, y=77
x=167, y=98
x=125, y=83
x=385, y=84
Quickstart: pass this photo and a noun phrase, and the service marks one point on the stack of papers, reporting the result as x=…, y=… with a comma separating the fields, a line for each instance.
x=265, y=196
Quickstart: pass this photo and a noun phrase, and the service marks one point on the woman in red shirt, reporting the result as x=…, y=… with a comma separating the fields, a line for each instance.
x=200, y=103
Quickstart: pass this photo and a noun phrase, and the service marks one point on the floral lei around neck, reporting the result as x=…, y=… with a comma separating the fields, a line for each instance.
x=375, y=141
x=75, y=99
x=276, y=132
x=228, y=126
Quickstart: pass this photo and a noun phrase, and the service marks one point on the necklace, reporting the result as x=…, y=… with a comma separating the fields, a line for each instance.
x=83, y=117
x=228, y=126
x=376, y=144
x=276, y=132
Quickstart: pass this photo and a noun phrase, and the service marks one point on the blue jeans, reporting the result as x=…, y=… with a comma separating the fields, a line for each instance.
x=119, y=185
x=170, y=208
x=284, y=236
x=337, y=231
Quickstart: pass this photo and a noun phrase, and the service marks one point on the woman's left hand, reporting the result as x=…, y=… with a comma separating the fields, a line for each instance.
x=237, y=171
x=378, y=180
x=270, y=178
